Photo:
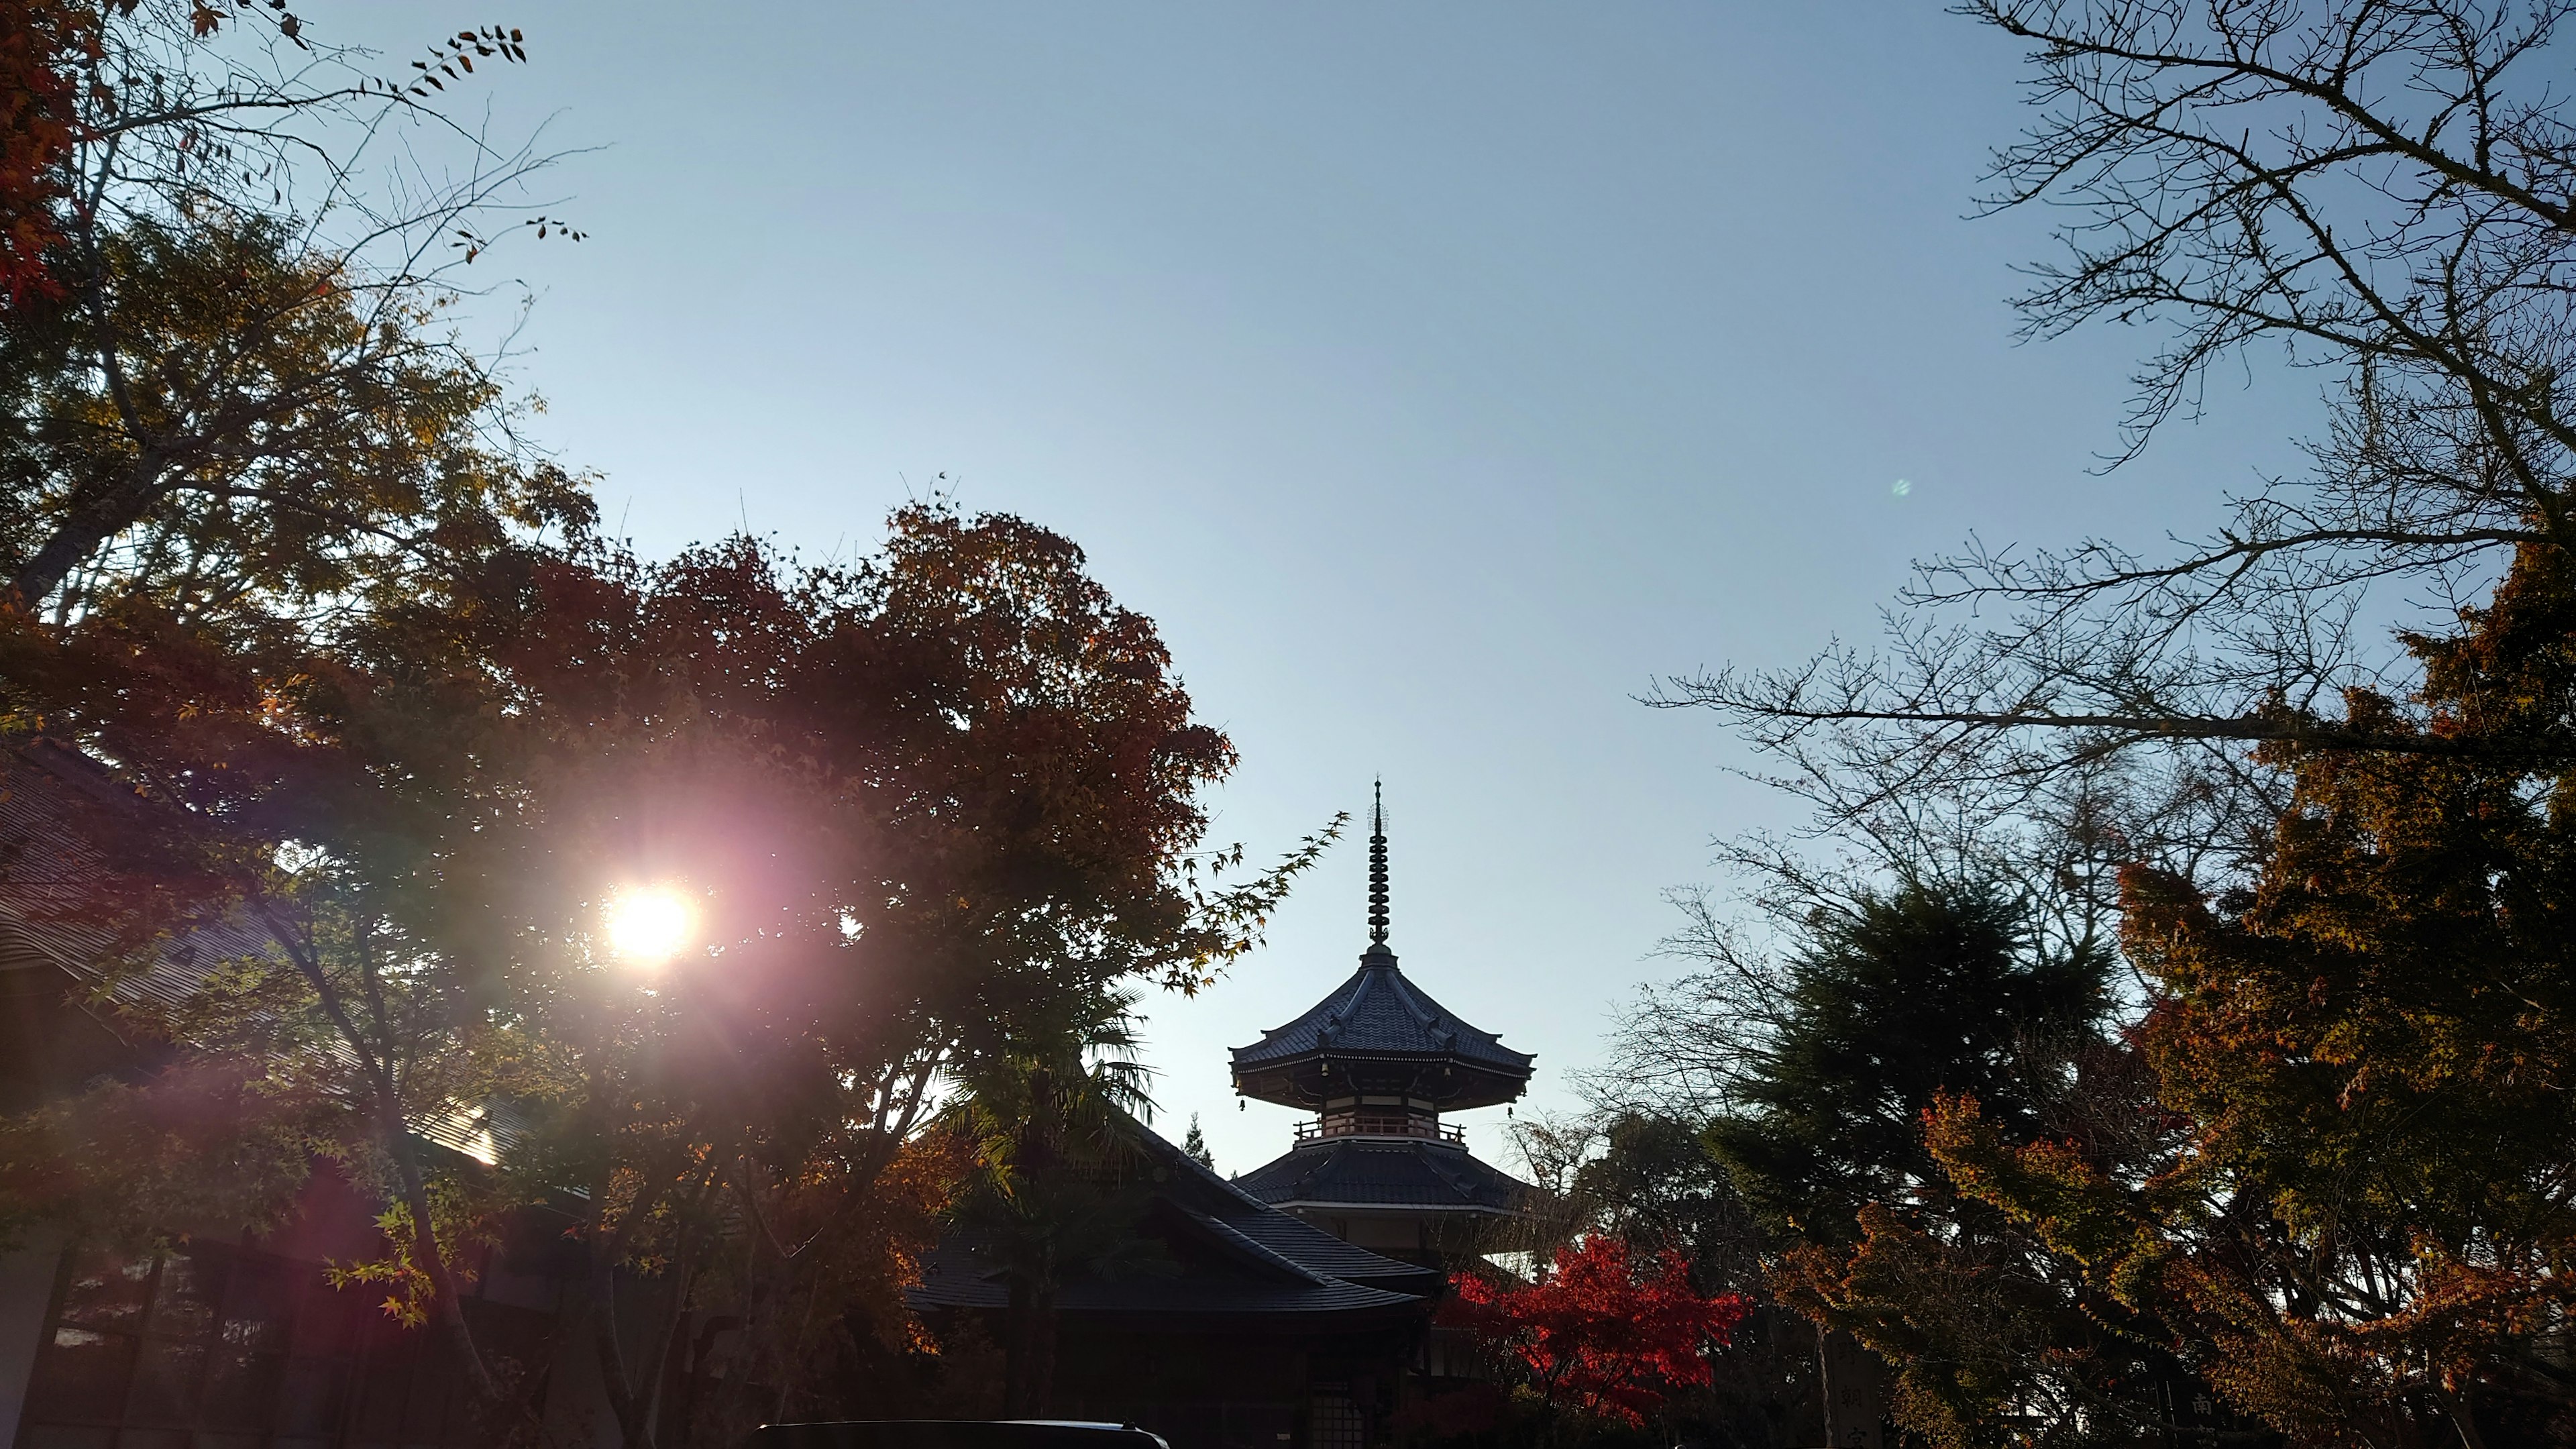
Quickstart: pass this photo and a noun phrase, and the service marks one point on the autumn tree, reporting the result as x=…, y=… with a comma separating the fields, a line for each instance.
x=1808, y=1067
x=1601, y=1333
x=237, y=426
x=234, y=384
x=240, y=422
x=2317, y=853
x=918, y=807
x=282, y=566
x=930, y=810
x=1645, y=1175
x=2366, y=1214
x=40, y=42
x=1989, y=1334
x=252, y=804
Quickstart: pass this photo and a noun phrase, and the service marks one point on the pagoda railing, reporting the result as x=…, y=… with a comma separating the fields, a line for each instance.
x=1373, y=1125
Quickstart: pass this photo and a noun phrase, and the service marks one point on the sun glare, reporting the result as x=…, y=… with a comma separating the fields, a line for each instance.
x=650, y=926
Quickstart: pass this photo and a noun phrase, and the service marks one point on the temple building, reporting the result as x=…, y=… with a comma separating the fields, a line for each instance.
x=1236, y=1327
x=1289, y=1308
x=1379, y=1062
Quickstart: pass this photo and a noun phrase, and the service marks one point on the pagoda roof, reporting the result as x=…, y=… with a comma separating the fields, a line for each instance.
x=1379, y=1038
x=1385, y=1172
x=1377, y=1012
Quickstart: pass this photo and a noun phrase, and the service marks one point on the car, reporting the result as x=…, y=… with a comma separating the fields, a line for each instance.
x=954, y=1434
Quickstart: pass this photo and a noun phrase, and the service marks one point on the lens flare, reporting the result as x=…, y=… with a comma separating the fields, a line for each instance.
x=650, y=926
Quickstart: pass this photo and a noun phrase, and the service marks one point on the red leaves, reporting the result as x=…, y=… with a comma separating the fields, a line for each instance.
x=1598, y=1334
x=37, y=117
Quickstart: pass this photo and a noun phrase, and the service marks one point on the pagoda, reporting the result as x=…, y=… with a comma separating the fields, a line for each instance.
x=1379, y=1062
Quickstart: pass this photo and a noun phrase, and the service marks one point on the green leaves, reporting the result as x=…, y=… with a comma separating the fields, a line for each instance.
x=1931, y=988
x=248, y=438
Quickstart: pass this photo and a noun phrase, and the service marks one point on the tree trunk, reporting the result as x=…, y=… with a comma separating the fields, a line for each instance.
x=91, y=525
x=1042, y=1353
x=1019, y=1322
x=632, y=1429
x=684, y=1407
x=432, y=1260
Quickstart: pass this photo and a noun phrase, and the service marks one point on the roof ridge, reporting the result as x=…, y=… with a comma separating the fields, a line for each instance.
x=1234, y=1241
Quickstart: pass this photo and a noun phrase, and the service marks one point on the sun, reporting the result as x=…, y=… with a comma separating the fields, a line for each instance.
x=650, y=925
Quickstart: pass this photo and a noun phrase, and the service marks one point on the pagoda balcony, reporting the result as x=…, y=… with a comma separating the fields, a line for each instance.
x=1380, y=1124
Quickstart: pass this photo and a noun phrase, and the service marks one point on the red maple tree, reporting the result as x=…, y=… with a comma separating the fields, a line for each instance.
x=38, y=41
x=1599, y=1331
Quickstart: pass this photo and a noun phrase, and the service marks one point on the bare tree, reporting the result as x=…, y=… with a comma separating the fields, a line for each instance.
x=2387, y=191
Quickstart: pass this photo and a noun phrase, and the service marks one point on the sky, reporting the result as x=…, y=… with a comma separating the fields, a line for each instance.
x=1437, y=375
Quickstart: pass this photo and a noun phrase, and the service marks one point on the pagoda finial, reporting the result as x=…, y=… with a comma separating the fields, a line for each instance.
x=1377, y=866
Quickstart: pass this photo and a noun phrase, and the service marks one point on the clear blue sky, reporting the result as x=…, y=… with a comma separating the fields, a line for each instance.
x=1436, y=374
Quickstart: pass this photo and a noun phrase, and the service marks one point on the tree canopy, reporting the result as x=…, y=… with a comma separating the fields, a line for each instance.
x=2365, y=1210
x=925, y=811
x=1924, y=990
x=2299, y=1172
x=1600, y=1332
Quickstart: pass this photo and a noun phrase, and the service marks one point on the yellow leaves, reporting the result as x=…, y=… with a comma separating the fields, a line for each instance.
x=2046, y=1186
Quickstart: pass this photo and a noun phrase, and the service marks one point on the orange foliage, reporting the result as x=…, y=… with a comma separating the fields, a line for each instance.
x=2365, y=1211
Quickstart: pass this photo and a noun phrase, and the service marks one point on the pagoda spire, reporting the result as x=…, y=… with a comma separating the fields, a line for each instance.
x=1377, y=1041
x=1377, y=867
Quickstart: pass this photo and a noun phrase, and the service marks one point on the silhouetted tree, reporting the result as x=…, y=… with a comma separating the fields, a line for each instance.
x=2363, y=1202
x=1921, y=991
x=923, y=807
x=2382, y=190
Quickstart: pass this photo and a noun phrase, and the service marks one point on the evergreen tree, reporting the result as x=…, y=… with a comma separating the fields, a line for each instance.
x=1196, y=1145
x=1940, y=991
x=1930, y=988
x=1656, y=1185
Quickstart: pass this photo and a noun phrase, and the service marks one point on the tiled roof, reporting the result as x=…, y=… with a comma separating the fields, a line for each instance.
x=1233, y=1255
x=1379, y=1013
x=47, y=865
x=1385, y=1172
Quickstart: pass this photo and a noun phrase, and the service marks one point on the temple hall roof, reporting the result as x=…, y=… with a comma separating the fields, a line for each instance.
x=1230, y=1256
